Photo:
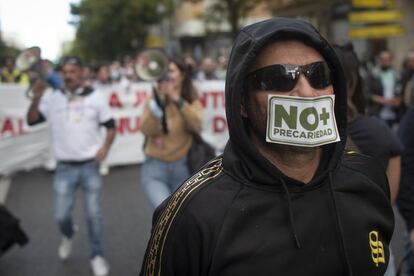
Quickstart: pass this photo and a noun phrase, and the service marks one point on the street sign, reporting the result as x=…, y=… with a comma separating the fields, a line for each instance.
x=154, y=41
x=377, y=31
x=373, y=3
x=375, y=16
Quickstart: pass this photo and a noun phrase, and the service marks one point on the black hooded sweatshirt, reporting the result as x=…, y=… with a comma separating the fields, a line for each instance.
x=240, y=215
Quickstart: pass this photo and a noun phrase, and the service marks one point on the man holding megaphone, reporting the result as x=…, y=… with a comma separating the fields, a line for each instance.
x=75, y=114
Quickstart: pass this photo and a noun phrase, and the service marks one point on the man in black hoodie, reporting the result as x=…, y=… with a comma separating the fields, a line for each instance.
x=283, y=199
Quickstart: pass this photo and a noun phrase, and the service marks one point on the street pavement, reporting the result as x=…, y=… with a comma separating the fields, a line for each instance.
x=126, y=218
x=127, y=225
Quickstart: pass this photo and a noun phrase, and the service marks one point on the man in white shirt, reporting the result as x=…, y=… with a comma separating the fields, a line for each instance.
x=75, y=114
x=390, y=99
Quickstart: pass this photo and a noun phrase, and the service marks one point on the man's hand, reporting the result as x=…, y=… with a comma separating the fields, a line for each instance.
x=33, y=114
x=395, y=102
x=103, y=151
x=101, y=154
x=38, y=89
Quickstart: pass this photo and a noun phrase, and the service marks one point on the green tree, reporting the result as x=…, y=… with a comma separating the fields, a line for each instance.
x=108, y=29
x=230, y=11
x=7, y=51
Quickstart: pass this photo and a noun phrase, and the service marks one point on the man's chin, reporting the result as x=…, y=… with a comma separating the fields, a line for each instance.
x=71, y=86
x=297, y=150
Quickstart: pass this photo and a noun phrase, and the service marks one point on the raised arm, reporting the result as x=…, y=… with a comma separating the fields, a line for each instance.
x=34, y=116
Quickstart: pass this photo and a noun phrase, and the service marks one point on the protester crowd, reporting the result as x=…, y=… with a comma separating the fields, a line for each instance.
x=122, y=71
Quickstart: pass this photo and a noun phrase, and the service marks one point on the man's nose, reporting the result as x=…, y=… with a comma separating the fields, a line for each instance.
x=303, y=88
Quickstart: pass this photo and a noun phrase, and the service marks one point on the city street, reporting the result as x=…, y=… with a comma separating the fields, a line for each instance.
x=127, y=223
x=291, y=90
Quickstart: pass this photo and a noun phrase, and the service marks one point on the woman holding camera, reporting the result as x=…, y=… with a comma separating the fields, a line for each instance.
x=168, y=122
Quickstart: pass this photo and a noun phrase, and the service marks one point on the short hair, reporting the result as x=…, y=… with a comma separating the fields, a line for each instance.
x=75, y=60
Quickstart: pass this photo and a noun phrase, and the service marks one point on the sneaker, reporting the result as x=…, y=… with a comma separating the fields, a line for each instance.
x=65, y=248
x=99, y=266
x=104, y=170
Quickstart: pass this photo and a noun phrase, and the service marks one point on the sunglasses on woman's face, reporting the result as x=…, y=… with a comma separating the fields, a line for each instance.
x=284, y=77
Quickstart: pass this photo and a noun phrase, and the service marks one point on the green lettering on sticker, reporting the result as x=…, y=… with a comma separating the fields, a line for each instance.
x=289, y=118
x=324, y=116
x=304, y=118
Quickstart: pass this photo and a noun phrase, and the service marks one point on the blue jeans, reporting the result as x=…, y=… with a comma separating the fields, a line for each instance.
x=159, y=179
x=68, y=177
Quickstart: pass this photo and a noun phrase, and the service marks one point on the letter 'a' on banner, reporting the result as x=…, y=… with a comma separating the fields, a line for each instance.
x=297, y=121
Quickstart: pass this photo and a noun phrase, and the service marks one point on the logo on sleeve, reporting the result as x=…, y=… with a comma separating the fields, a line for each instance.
x=377, y=248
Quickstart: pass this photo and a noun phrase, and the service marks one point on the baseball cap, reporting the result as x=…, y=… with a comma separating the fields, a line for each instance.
x=75, y=60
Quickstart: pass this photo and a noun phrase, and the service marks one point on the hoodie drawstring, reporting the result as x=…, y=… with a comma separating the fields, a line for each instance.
x=339, y=225
x=291, y=219
x=338, y=221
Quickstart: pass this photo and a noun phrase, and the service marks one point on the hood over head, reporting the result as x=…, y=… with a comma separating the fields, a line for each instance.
x=251, y=40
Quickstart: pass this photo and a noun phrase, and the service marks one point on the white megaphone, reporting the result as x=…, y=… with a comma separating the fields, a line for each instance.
x=151, y=65
x=30, y=62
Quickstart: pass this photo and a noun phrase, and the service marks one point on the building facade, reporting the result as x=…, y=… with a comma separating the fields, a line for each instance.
x=190, y=31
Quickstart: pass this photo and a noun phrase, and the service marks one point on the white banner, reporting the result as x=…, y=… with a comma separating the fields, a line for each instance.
x=23, y=147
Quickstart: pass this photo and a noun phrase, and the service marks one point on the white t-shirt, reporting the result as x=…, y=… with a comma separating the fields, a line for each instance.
x=75, y=123
x=388, y=80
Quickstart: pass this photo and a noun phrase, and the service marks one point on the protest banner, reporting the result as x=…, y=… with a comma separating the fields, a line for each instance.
x=23, y=147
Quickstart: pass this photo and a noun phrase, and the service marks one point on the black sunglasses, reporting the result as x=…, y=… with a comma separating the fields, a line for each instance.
x=284, y=77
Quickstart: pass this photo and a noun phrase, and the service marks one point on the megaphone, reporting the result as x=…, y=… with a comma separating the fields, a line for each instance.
x=151, y=65
x=29, y=61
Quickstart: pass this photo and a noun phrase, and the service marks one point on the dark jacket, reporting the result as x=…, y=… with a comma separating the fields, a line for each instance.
x=11, y=232
x=405, y=199
x=375, y=87
x=240, y=215
x=407, y=88
x=374, y=138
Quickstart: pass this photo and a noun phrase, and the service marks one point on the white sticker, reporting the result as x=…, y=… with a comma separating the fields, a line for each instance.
x=299, y=121
x=75, y=109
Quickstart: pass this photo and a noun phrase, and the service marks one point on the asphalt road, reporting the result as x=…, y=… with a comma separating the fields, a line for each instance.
x=126, y=218
x=127, y=223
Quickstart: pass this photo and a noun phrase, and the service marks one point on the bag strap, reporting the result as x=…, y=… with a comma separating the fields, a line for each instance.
x=162, y=106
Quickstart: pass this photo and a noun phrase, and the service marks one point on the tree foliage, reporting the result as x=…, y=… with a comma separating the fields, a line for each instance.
x=7, y=51
x=108, y=29
x=231, y=11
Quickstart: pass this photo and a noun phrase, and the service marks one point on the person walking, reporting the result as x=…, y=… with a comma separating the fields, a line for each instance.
x=169, y=120
x=75, y=114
